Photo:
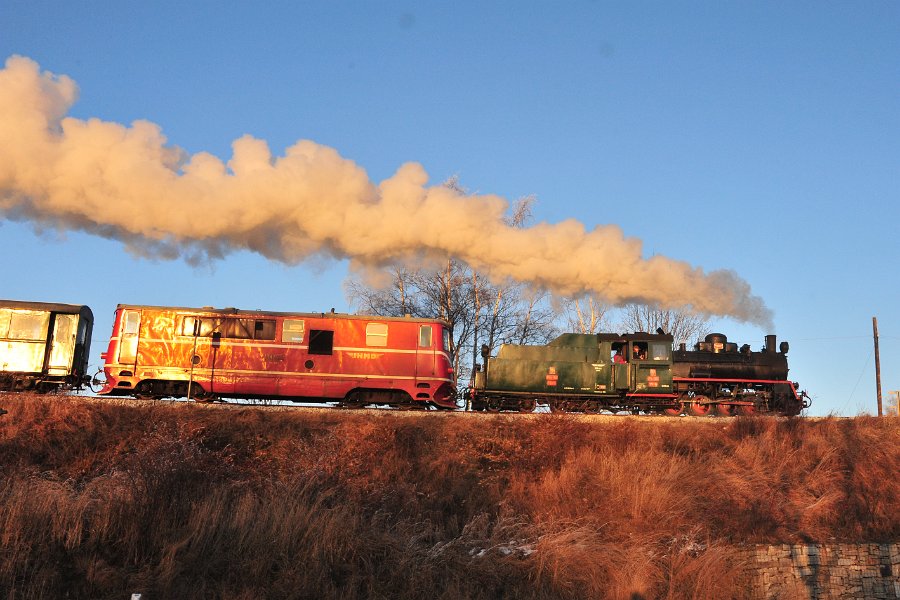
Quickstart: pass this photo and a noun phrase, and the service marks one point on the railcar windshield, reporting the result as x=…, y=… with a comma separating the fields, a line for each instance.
x=445, y=339
x=425, y=336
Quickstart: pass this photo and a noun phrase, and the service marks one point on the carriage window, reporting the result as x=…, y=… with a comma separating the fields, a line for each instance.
x=293, y=330
x=376, y=334
x=28, y=325
x=4, y=322
x=659, y=351
x=320, y=341
x=425, y=336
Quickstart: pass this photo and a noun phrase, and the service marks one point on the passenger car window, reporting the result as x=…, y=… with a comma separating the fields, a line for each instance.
x=28, y=325
x=4, y=322
x=376, y=334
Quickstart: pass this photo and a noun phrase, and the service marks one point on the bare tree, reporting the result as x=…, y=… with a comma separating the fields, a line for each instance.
x=395, y=300
x=586, y=315
x=684, y=325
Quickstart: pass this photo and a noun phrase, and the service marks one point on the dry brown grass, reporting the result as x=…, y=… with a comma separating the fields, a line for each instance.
x=99, y=500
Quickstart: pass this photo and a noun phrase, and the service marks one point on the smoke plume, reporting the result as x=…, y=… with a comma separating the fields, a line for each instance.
x=127, y=183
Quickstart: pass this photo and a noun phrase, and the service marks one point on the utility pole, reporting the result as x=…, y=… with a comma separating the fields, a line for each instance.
x=877, y=365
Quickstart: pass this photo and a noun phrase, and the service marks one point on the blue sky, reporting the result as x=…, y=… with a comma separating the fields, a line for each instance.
x=756, y=137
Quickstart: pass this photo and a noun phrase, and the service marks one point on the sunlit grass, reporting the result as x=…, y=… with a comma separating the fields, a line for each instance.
x=177, y=500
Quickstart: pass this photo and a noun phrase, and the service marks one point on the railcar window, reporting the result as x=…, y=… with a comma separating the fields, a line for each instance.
x=241, y=329
x=264, y=330
x=321, y=341
x=28, y=325
x=293, y=330
x=4, y=322
x=659, y=351
x=425, y=336
x=204, y=329
x=445, y=338
x=376, y=334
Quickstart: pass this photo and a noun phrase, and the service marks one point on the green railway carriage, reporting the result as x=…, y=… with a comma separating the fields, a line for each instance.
x=579, y=372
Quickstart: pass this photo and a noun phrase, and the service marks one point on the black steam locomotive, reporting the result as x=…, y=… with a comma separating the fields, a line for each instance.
x=717, y=375
x=641, y=373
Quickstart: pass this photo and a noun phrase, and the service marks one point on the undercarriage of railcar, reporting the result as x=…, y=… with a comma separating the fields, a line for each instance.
x=698, y=399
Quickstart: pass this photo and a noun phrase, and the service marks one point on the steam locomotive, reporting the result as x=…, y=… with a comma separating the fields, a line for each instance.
x=638, y=373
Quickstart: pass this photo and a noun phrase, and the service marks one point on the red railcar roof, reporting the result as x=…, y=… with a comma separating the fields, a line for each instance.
x=209, y=310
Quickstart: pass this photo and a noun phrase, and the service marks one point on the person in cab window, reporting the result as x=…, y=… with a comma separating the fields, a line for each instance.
x=619, y=357
x=638, y=354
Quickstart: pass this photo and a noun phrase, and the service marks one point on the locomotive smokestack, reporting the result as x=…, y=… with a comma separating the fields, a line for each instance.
x=770, y=343
x=127, y=183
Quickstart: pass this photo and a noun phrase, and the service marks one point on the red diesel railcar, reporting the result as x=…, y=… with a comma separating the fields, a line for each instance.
x=207, y=353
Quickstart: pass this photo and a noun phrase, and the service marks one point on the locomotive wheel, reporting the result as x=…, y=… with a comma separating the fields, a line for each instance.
x=700, y=407
x=674, y=411
x=746, y=410
x=527, y=406
x=724, y=410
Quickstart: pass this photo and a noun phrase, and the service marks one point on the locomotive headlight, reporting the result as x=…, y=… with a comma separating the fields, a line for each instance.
x=784, y=347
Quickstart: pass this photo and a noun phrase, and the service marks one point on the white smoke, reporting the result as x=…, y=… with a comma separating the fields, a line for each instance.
x=126, y=183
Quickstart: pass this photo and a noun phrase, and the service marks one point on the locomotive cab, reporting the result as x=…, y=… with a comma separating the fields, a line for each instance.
x=640, y=362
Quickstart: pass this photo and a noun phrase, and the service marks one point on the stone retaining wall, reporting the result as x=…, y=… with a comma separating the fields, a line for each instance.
x=825, y=571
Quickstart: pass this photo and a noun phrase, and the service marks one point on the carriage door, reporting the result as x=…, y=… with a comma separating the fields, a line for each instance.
x=425, y=352
x=128, y=337
x=62, y=345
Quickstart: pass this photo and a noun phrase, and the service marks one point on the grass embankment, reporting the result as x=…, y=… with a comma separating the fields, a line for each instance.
x=101, y=500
